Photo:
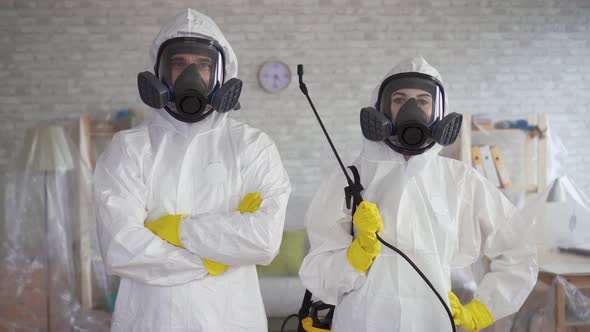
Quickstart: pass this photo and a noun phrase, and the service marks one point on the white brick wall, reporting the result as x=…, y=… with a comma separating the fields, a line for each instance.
x=63, y=57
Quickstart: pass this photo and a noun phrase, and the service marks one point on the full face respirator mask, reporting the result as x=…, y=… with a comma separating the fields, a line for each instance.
x=409, y=115
x=189, y=80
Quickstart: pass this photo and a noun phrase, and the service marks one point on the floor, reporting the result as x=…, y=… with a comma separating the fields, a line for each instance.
x=274, y=325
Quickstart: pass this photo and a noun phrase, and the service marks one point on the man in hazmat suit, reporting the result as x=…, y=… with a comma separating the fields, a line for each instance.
x=190, y=202
x=438, y=211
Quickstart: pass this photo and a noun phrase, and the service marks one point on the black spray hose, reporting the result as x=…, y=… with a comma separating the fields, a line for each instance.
x=358, y=198
x=286, y=320
x=442, y=301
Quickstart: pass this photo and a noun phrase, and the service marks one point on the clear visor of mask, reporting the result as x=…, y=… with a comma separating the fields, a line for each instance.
x=412, y=97
x=176, y=55
x=427, y=94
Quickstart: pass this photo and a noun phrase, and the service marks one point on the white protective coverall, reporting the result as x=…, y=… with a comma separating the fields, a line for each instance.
x=203, y=170
x=438, y=211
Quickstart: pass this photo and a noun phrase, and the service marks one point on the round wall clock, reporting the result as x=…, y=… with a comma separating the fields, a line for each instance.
x=274, y=76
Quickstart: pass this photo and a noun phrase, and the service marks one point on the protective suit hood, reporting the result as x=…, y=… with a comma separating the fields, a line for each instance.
x=412, y=135
x=193, y=23
x=416, y=65
x=378, y=151
x=186, y=24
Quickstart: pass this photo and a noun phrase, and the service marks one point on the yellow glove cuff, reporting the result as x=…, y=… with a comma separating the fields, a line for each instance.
x=250, y=203
x=482, y=317
x=167, y=228
x=359, y=258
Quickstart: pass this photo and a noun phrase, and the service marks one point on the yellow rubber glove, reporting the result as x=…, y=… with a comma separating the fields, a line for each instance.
x=365, y=247
x=367, y=219
x=214, y=268
x=167, y=228
x=472, y=317
x=250, y=203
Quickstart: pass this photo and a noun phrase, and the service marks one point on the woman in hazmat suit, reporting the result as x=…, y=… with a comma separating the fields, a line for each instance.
x=189, y=202
x=438, y=211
